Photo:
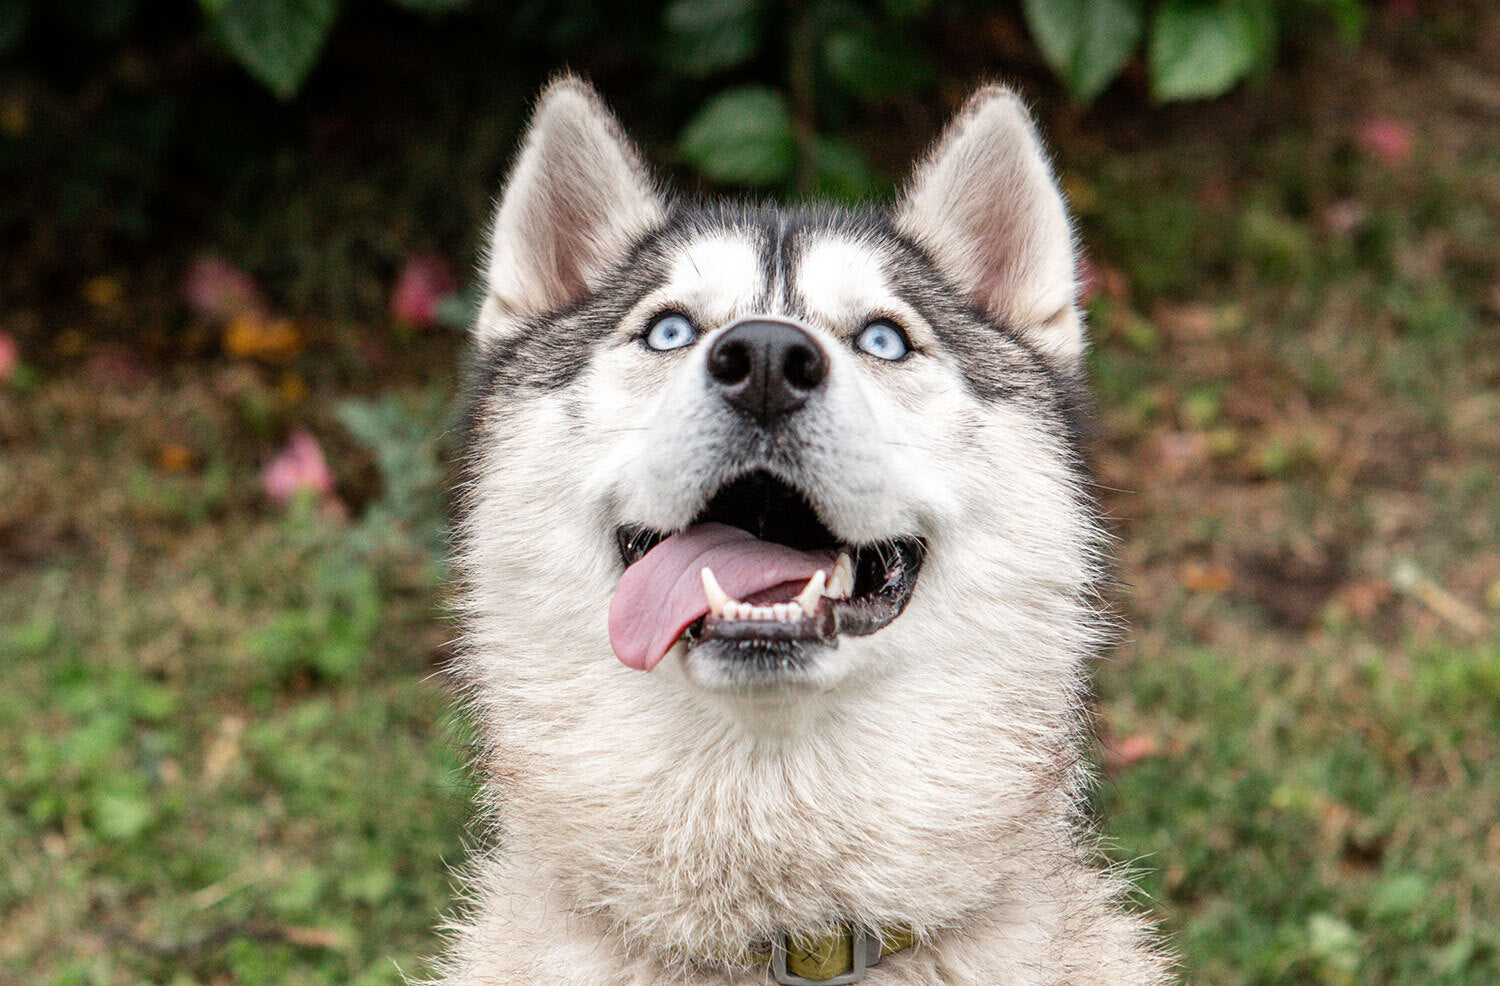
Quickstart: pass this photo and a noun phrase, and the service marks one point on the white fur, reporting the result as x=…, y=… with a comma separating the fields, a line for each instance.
x=577, y=198
x=926, y=775
x=985, y=205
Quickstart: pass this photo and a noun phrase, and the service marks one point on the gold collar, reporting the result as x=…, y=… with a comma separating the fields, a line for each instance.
x=841, y=954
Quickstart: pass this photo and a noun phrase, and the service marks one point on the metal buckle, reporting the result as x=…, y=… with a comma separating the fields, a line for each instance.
x=864, y=948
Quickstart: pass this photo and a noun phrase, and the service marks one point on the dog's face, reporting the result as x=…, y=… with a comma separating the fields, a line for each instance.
x=765, y=452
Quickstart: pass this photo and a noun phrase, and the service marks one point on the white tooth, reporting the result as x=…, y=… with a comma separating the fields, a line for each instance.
x=717, y=597
x=841, y=582
x=735, y=611
x=784, y=611
x=765, y=613
x=808, y=598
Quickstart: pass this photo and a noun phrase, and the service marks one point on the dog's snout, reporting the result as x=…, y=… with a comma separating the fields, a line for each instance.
x=766, y=367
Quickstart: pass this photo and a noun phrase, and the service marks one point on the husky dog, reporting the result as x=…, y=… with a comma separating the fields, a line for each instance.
x=778, y=579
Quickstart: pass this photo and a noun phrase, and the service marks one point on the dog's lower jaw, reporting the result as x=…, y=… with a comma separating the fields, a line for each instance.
x=763, y=674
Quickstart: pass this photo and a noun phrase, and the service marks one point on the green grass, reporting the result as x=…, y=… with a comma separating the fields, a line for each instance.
x=225, y=758
x=218, y=722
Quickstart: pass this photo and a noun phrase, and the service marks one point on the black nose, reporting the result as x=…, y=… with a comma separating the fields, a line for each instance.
x=766, y=367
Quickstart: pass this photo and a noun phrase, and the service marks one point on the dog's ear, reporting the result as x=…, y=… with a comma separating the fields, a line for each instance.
x=577, y=199
x=985, y=208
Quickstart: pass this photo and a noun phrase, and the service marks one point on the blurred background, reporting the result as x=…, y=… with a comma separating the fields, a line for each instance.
x=239, y=244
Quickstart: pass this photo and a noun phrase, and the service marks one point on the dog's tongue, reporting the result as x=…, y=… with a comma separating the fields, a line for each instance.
x=662, y=593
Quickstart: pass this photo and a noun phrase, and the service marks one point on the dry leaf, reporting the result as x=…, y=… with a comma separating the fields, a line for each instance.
x=174, y=458
x=250, y=336
x=1205, y=578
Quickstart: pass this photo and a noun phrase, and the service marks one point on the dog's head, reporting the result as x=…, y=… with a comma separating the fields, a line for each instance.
x=775, y=452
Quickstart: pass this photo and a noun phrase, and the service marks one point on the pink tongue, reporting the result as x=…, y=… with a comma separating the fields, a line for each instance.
x=662, y=593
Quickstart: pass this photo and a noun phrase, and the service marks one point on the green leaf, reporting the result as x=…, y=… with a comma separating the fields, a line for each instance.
x=1087, y=42
x=873, y=66
x=906, y=10
x=102, y=19
x=1198, y=50
x=434, y=7
x=742, y=136
x=277, y=41
x=121, y=810
x=707, y=36
x=1349, y=17
x=13, y=17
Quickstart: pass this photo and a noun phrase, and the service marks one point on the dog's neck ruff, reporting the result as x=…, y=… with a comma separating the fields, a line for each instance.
x=832, y=957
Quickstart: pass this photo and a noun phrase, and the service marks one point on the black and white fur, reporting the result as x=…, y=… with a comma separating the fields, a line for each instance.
x=928, y=775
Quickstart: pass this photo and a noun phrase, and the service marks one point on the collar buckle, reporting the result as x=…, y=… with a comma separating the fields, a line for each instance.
x=864, y=948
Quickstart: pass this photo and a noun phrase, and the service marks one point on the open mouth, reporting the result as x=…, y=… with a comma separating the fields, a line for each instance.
x=756, y=567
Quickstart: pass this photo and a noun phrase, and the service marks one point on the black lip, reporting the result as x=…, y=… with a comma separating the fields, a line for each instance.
x=885, y=572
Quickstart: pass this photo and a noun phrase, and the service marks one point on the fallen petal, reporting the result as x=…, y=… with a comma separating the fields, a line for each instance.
x=420, y=288
x=218, y=291
x=301, y=466
x=10, y=356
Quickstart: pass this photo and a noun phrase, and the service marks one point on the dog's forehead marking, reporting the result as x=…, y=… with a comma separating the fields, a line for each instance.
x=716, y=275
x=841, y=278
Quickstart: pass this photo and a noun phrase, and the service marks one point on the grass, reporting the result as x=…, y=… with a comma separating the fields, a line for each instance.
x=224, y=757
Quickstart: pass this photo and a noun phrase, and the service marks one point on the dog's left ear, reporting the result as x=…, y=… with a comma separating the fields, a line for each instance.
x=576, y=201
x=986, y=209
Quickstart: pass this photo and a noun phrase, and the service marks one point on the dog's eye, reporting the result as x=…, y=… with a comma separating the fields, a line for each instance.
x=670, y=331
x=883, y=341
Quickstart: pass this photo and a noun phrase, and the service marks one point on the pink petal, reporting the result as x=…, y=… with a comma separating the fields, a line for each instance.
x=1388, y=141
x=216, y=290
x=1090, y=281
x=421, y=286
x=1344, y=216
x=1132, y=749
x=1096, y=279
x=10, y=356
x=298, y=467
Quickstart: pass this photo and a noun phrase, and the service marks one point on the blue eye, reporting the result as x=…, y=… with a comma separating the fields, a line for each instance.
x=670, y=331
x=883, y=341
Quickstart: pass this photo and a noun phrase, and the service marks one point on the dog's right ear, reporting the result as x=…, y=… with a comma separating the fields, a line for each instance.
x=576, y=201
x=985, y=207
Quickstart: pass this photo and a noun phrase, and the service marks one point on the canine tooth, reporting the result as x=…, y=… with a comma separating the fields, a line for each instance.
x=718, y=599
x=841, y=582
x=808, y=598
